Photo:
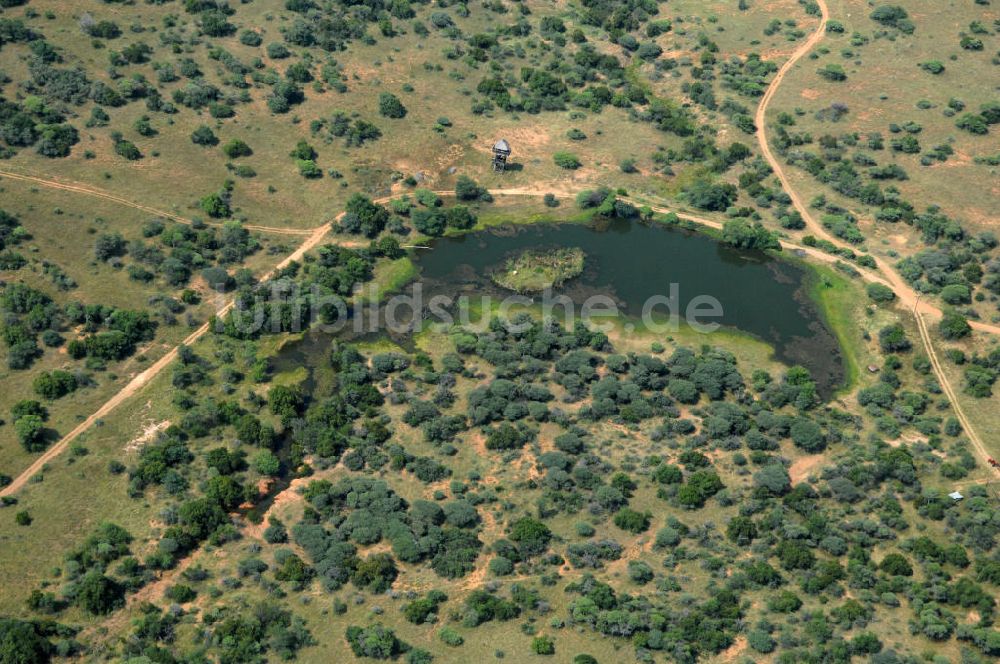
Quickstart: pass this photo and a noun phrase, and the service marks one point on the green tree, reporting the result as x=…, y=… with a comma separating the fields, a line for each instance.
x=363, y=216
x=832, y=72
x=390, y=106
x=54, y=384
x=308, y=169
x=745, y=234
x=896, y=564
x=880, y=293
x=285, y=402
x=532, y=535
x=566, y=160
x=266, y=463
x=706, y=195
x=741, y=530
x=376, y=573
x=216, y=205
x=204, y=135
x=30, y=431
x=504, y=437
x=807, y=435
x=303, y=151
x=467, y=189
x=23, y=642
x=956, y=294
x=375, y=641
x=953, y=325
x=632, y=521
x=235, y=148
x=773, y=477
x=127, y=149
x=109, y=245
x=543, y=645
x=892, y=339
x=972, y=123
x=98, y=594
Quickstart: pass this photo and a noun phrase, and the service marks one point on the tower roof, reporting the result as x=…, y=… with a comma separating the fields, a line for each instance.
x=501, y=146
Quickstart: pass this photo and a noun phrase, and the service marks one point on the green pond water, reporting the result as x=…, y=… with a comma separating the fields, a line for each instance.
x=629, y=261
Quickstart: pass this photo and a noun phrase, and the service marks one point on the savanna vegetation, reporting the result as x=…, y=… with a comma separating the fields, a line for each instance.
x=522, y=489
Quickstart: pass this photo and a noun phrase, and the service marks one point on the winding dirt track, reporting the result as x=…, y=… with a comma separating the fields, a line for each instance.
x=885, y=274
x=908, y=297
x=137, y=383
x=78, y=188
x=977, y=442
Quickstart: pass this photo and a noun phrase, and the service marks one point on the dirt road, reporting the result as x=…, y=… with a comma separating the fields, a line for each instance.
x=78, y=188
x=907, y=296
x=137, y=383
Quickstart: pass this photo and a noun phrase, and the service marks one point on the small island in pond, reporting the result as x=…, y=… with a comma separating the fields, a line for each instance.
x=535, y=270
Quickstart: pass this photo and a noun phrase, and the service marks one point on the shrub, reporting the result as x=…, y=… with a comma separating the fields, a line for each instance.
x=640, y=572
x=99, y=595
x=773, y=477
x=880, y=293
x=109, y=245
x=30, y=431
x=216, y=205
x=741, y=530
x=204, y=136
x=236, y=148
x=309, y=169
x=896, y=564
x=543, y=645
x=807, y=435
x=127, y=149
x=180, y=593
x=972, y=123
x=450, y=637
x=266, y=463
x=375, y=641
x=377, y=572
x=892, y=16
x=892, y=339
x=466, y=189
x=706, y=195
x=956, y=294
x=277, y=51
x=632, y=521
x=390, y=106
x=761, y=641
x=54, y=384
x=954, y=326
x=501, y=566
x=833, y=72
x=250, y=38
x=566, y=160
x=784, y=601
